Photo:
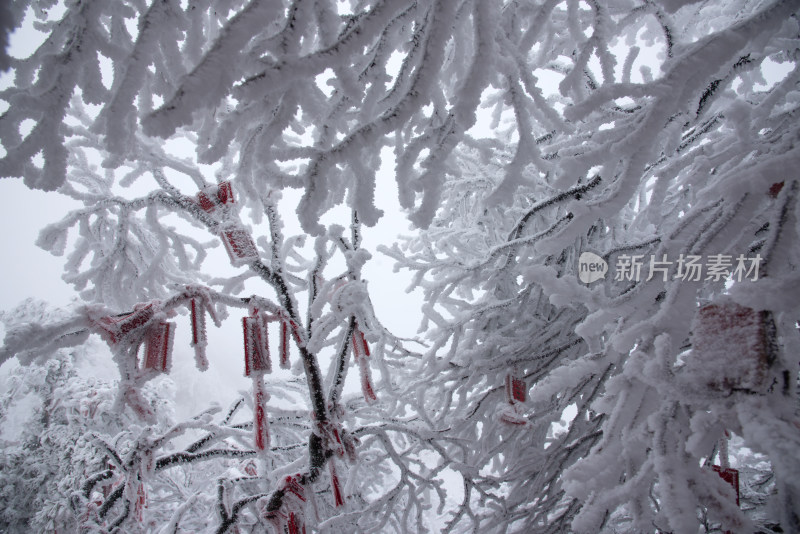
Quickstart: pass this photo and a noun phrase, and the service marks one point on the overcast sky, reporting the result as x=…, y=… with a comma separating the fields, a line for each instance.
x=28, y=271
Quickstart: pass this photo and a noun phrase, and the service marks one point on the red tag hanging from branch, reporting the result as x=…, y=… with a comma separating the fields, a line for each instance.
x=516, y=394
x=775, y=189
x=250, y=468
x=141, y=503
x=515, y=389
x=512, y=416
x=199, y=338
x=290, y=518
x=260, y=423
x=256, y=345
x=360, y=354
x=729, y=475
x=256, y=363
x=363, y=340
x=295, y=524
x=225, y=193
x=114, y=328
x=294, y=490
x=215, y=195
x=338, y=497
x=158, y=347
x=731, y=347
x=240, y=246
x=206, y=202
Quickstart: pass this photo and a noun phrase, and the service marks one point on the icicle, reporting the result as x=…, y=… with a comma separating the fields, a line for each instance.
x=329, y=432
x=363, y=367
x=260, y=422
x=199, y=337
x=337, y=489
x=158, y=347
x=107, y=488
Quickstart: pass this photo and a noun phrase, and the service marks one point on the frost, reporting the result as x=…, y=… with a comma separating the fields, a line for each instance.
x=524, y=134
x=732, y=347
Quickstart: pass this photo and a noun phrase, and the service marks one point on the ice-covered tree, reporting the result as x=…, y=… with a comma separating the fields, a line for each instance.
x=51, y=414
x=600, y=405
x=99, y=90
x=630, y=129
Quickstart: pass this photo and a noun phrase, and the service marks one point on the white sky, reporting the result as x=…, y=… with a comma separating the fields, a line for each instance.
x=29, y=272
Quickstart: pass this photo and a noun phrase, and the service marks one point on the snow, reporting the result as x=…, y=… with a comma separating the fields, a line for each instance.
x=730, y=347
x=515, y=137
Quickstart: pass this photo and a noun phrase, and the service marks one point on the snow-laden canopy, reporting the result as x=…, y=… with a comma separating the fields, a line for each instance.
x=658, y=136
